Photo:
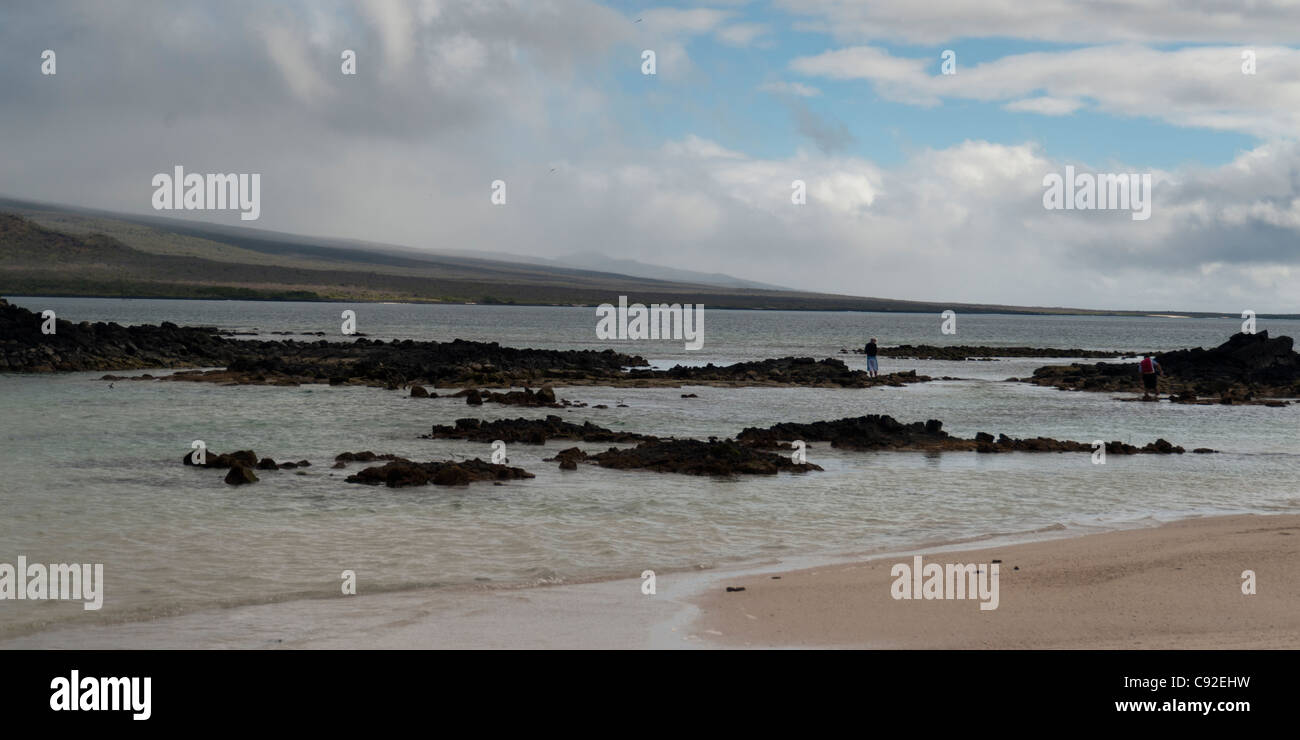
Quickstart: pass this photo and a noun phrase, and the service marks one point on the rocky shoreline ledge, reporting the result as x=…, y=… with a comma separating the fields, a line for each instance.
x=1248, y=368
x=880, y=432
x=963, y=352
x=396, y=364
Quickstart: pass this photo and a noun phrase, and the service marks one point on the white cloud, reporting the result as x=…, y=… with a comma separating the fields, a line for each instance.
x=798, y=89
x=293, y=59
x=742, y=34
x=675, y=21
x=397, y=27
x=1063, y=21
x=1197, y=86
x=410, y=157
x=1045, y=105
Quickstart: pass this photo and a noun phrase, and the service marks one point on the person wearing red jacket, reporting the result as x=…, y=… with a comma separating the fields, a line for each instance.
x=1150, y=370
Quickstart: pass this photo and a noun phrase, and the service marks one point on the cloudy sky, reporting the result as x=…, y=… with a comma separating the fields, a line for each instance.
x=920, y=184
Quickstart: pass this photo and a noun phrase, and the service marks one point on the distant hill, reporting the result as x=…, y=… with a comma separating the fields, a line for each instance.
x=58, y=250
x=593, y=261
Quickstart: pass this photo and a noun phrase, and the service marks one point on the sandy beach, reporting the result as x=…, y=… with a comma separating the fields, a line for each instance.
x=1174, y=586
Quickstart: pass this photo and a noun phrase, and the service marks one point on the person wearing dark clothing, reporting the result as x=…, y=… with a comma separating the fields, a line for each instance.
x=873, y=366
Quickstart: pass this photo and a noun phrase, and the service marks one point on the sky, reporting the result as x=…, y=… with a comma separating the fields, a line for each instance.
x=918, y=184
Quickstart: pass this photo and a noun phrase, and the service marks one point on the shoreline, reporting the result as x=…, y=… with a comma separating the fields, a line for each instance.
x=1071, y=591
x=1175, y=586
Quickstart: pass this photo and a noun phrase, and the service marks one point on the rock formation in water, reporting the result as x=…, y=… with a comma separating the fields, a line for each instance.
x=880, y=432
x=961, y=352
x=1245, y=368
x=361, y=361
x=401, y=473
x=687, y=456
x=529, y=431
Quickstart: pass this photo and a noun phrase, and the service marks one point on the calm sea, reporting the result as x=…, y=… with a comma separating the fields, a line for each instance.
x=93, y=474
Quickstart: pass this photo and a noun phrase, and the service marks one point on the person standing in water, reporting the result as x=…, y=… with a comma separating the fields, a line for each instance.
x=873, y=367
x=1149, y=369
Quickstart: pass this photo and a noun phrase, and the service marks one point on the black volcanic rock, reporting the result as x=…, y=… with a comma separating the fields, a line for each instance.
x=529, y=431
x=240, y=475
x=861, y=433
x=100, y=346
x=545, y=397
x=960, y=352
x=829, y=372
x=401, y=473
x=1240, y=370
x=362, y=361
x=880, y=432
x=694, y=457
x=247, y=458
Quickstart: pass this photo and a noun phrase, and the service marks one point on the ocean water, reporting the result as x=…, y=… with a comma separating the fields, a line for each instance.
x=93, y=474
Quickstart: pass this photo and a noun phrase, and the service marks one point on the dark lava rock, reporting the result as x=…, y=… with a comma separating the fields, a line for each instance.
x=879, y=432
x=696, y=457
x=529, y=431
x=247, y=458
x=569, y=458
x=344, y=458
x=967, y=352
x=401, y=473
x=240, y=475
x=419, y=391
x=1239, y=370
x=451, y=475
x=829, y=372
x=861, y=433
x=267, y=463
x=104, y=347
x=542, y=398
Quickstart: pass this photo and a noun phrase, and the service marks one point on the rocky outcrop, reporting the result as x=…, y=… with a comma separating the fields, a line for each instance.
x=1244, y=369
x=342, y=459
x=247, y=458
x=802, y=371
x=880, y=432
x=529, y=431
x=872, y=432
x=542, y=398
x=687, y=456
x=362, y=361
x=960, y=352
x=241, y=465
x=240, y=475
x=101, y=346
x=401, y=473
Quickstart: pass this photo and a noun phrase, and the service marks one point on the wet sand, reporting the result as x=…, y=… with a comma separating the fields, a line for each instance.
x=1176, y=585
